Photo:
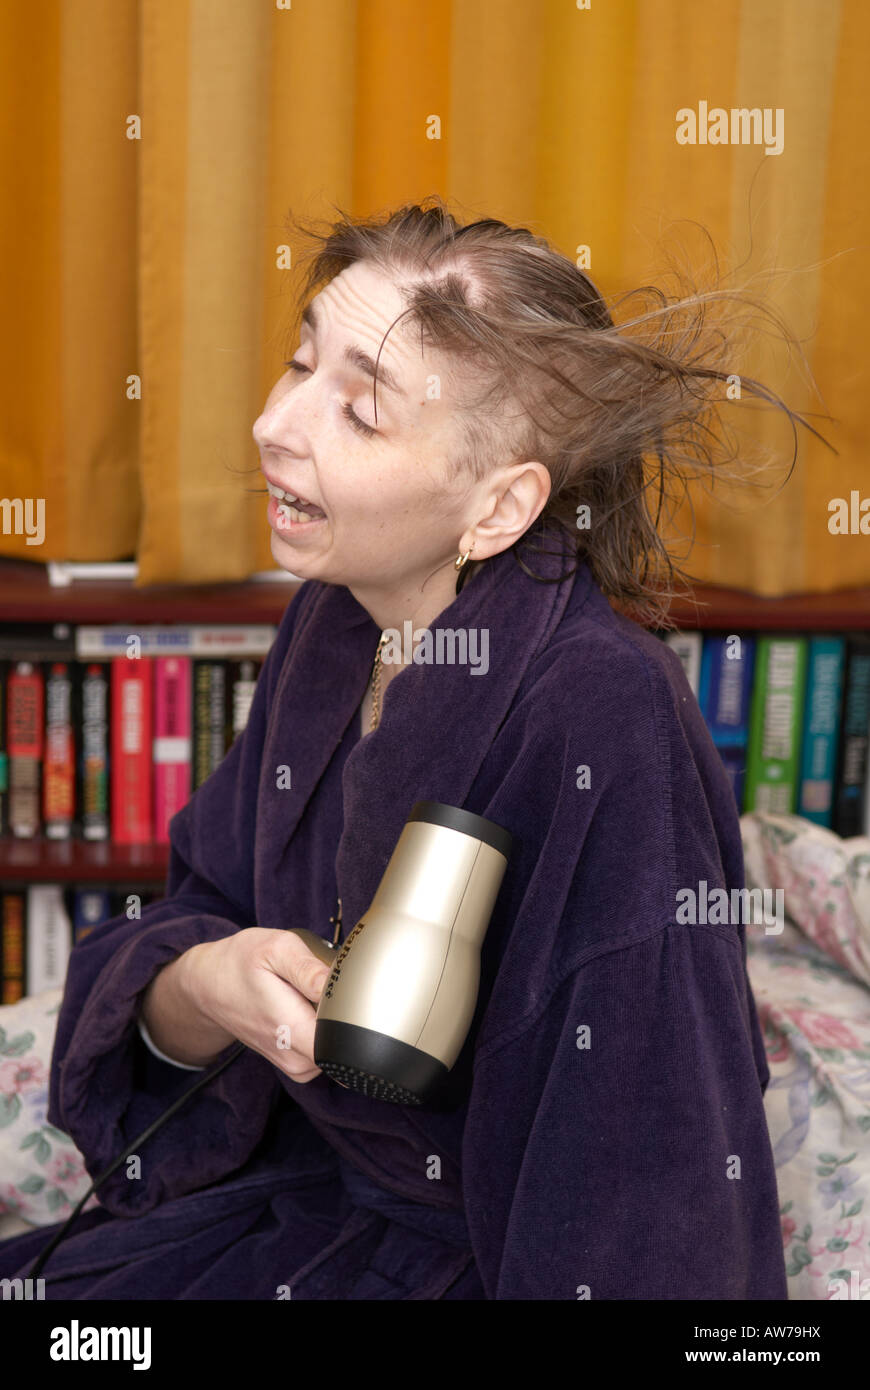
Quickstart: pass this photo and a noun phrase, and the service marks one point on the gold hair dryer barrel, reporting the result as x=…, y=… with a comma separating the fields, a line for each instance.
x=399, y=1001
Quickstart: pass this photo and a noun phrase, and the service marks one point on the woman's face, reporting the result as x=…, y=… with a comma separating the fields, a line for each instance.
x=389, y=517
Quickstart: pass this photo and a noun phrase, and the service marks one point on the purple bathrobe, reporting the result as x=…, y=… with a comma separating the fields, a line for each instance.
x=603, y=1132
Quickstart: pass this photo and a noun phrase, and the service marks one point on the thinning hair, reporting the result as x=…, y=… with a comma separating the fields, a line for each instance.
x=622, y=415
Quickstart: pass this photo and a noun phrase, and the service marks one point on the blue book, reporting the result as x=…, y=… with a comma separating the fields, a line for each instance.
x=825, y=667
x=91, y=906
x=725, y=697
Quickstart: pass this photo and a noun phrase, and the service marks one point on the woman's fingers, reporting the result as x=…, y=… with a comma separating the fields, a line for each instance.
x=291, y=960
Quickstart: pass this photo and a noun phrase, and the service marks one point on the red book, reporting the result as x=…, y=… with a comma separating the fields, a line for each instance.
x=25, y=696
x=172, y=740
x=131, y=750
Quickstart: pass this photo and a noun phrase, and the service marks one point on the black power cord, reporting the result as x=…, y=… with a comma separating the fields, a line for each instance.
x=39, y=1262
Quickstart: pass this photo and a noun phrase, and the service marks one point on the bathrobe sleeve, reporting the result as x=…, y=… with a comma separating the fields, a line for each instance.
x=616, y=1144
x=105, y=1086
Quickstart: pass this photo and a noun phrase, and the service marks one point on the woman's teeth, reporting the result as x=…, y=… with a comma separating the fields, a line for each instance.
x=287, y=512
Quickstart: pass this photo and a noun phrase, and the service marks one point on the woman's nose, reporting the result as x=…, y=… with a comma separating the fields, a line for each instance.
x=276, y=419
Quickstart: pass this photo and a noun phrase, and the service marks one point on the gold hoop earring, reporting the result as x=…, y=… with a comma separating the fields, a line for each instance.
x=462, y=559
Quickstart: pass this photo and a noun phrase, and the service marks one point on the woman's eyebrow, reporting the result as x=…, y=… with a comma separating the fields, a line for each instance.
x=355, y=356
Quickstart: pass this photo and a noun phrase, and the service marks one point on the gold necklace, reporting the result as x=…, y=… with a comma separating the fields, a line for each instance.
x=376, y=684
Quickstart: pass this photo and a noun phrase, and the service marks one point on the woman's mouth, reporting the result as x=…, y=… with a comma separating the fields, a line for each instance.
x=287, y=512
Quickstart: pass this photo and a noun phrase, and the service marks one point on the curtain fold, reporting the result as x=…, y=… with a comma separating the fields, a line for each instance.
x=146, y=294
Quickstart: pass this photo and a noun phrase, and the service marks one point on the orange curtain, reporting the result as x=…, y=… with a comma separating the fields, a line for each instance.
x=143, y=281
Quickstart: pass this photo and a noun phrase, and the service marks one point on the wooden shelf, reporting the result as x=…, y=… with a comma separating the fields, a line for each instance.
x=733, y=610
x=73, y=861
x=27, y=596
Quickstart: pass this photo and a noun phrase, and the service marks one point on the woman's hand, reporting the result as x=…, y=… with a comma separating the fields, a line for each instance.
x=258, y=986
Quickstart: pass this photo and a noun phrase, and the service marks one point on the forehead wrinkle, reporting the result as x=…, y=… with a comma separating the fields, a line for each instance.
x=357, y=357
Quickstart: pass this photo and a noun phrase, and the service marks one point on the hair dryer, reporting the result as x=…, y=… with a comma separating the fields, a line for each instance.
x=398, y=1003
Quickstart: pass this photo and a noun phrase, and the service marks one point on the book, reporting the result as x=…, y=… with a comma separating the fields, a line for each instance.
x=172, y=740
x=91, y=906
x=233, y=640
x=775, y=724
x=211, y=733
x=852, y=762
x=131, y=772
x=825, y=665
x=12, y=937
x=25, y=702
x=688, y=647
x=4, y=757
x=243, y=681
x=94, y=744
x=48, y=938
x=59, y=767
x=725, y=698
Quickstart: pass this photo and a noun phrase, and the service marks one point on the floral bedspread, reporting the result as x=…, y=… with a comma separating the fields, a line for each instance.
x=811, y=981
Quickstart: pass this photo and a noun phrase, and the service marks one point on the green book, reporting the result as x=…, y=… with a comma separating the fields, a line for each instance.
x=776, y=724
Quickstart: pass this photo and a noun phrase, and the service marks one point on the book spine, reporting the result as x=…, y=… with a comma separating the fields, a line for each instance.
x=848, y=819
x=131, y=799
x=725, y=697
x=218, y=641
x=775, y=725
x=48, y=938
x=688, y=646
x=94, y=779
x=172, y=740
x=25, y=698
x=825, y=666
x=91, y=906
x=4, y=756
x=13, y=948
x=59, y=769
x=209, y=718
x=243, y=684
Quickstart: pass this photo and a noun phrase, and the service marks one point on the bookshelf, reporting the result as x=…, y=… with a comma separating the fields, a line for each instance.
x=26, y=596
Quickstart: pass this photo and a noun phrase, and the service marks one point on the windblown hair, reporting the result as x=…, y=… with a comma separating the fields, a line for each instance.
x=622, y=415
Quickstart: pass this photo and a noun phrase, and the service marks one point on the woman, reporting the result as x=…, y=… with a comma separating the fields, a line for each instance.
x=460, y=404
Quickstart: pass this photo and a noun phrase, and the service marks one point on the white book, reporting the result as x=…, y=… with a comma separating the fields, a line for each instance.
x=217, y=640
x=687, y=646
x=48, y=938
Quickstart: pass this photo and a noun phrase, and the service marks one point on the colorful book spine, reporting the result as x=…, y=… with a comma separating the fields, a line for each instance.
x=25, y=703
x=172, y=740
x=59, y=768
x=4, y=757
x=725, y=697
x=849, y=807
x=12, y=926
x=94, y=771
x=131, y=799
x=825, y=666
x=210, y=735
x=199, y=640
x=775, y=725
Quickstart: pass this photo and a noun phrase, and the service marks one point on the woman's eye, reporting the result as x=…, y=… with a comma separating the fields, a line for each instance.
x=347, y=410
